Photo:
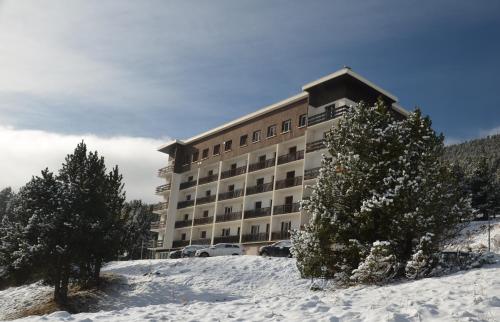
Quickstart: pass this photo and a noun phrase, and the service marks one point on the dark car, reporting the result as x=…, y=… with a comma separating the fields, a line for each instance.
x=279, y=249
x=175, y=254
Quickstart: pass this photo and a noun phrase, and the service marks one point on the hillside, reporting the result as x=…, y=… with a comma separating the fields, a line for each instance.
x=468, y=152
x=251, y=288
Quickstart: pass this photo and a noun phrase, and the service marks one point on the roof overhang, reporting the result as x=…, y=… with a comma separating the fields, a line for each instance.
x=169, y=146
x=348, y=71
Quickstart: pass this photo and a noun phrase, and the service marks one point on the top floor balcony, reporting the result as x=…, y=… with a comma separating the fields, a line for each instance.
x=233, y=172
x=329, y=114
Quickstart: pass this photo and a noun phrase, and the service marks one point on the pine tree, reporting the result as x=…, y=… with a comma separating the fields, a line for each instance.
x=378, y=267
x=424, y=258
x=484, y=189
x=137, y=219
x=383, y=179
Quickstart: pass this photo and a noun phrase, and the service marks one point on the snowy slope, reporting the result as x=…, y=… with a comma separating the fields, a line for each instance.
x=250, y=288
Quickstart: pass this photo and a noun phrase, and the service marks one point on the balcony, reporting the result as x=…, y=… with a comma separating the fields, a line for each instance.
x=299, y=155
x=262, y=165
x=208, y=179
x=311, y=173
x=227, y=239
x=233, y=172
x=155, y=243
x=258, y=212
x=255, y=237
x=165, y=170
x=286, y=208
x=182, y=223
x=207, y=199
x=163, y=188
x=185, y=168
x=156, y=225
x=280, y=235
x=203, y=220
x=185, y=204
x=231, y=194
x=325, y=116
x=288, y=182
x=260, y=188
x=180, y=243
x=202, y=241
x=187, y=184
x=315, y=146
x=228, y=217
x=160, y=206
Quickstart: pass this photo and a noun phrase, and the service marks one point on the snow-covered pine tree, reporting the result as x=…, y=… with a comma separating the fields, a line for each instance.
x=484, y=189
x=424, y=259
x=381, y=180
x=137, y=219
x=379, y=267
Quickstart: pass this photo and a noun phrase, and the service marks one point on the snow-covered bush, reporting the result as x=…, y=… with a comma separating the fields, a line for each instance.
x=424, y=259
x=382, y=179
x=380, y=266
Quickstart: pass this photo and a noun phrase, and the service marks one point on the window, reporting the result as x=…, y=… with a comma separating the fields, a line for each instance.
x=216, y=149
x=228, y=210
x=286, y=126
x=226, y=231
x=256, y=136
x=204, y=154
x=243, y=140
x=186, y=217
x=303, y=120
x=271, y=131
x=210, y=172
x=188, y=197
x=195, y=156
x=207, y=193
x=228, y=145
x=205, y=213
x=203, y=234
x=183, y=236
x=190, y=178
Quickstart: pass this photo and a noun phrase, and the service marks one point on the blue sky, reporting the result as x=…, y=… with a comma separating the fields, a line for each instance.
x=160, y=69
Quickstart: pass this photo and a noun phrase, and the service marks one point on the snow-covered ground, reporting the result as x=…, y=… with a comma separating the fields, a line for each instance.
x=251, y=288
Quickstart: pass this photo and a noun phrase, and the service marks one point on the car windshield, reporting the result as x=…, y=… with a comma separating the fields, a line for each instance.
x=283, y=243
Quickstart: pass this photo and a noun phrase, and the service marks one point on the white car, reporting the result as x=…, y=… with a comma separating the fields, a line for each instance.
x=220, y=250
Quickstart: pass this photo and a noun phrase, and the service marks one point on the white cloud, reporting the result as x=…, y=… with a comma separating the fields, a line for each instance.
x=25, y=152
x=493, y=131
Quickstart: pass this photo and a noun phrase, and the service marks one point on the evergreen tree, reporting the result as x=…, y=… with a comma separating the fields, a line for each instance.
x=424, y=258
x=6, y=198
x=378, y=267
x=137, y=219
x=382, y=180
x=484, y=189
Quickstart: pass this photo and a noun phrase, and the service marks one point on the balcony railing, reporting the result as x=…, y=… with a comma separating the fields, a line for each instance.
x=228, y=217
x=208, y=179
x=227, y=239
x=182, y=223
x=160, y=206
x=158, y=225
x=291, y=157
x=165, y=170
x=233, y=172
x=185, y=167
x=155, y=243
x=288, y=182
x=260, y=188
x=231, y=194
x=163, y=188
x=325, y=116
x=286, y=208
x=311, y=173
x=261, y=165
x=180, y=243
x=255, y=237
x=280, y=235
x=315, y=145
x=257, y=212
x=187, y=184
x=206, y=199
x=203, y=220
x=185, y=204
x=202, y=241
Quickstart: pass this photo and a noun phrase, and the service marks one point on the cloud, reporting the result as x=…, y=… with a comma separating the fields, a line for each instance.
x=25, y=152
x=492, y=131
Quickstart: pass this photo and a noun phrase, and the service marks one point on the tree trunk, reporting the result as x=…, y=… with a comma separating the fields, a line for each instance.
x=97, y=272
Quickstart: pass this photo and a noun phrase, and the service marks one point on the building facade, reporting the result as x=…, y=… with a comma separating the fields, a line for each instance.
x=242, y=182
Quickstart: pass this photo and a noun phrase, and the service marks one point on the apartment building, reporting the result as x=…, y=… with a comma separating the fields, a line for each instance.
x=242, y=181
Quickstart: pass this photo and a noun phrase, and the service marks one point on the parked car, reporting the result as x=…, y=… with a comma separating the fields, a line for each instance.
x=279, y=249
x=175, y=254
x=220, y=250
x=189, y=251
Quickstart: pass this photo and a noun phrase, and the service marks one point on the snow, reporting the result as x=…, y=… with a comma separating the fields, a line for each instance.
x=251, y=288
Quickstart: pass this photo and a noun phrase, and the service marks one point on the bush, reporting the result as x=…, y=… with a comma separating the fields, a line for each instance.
x=380, y=266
